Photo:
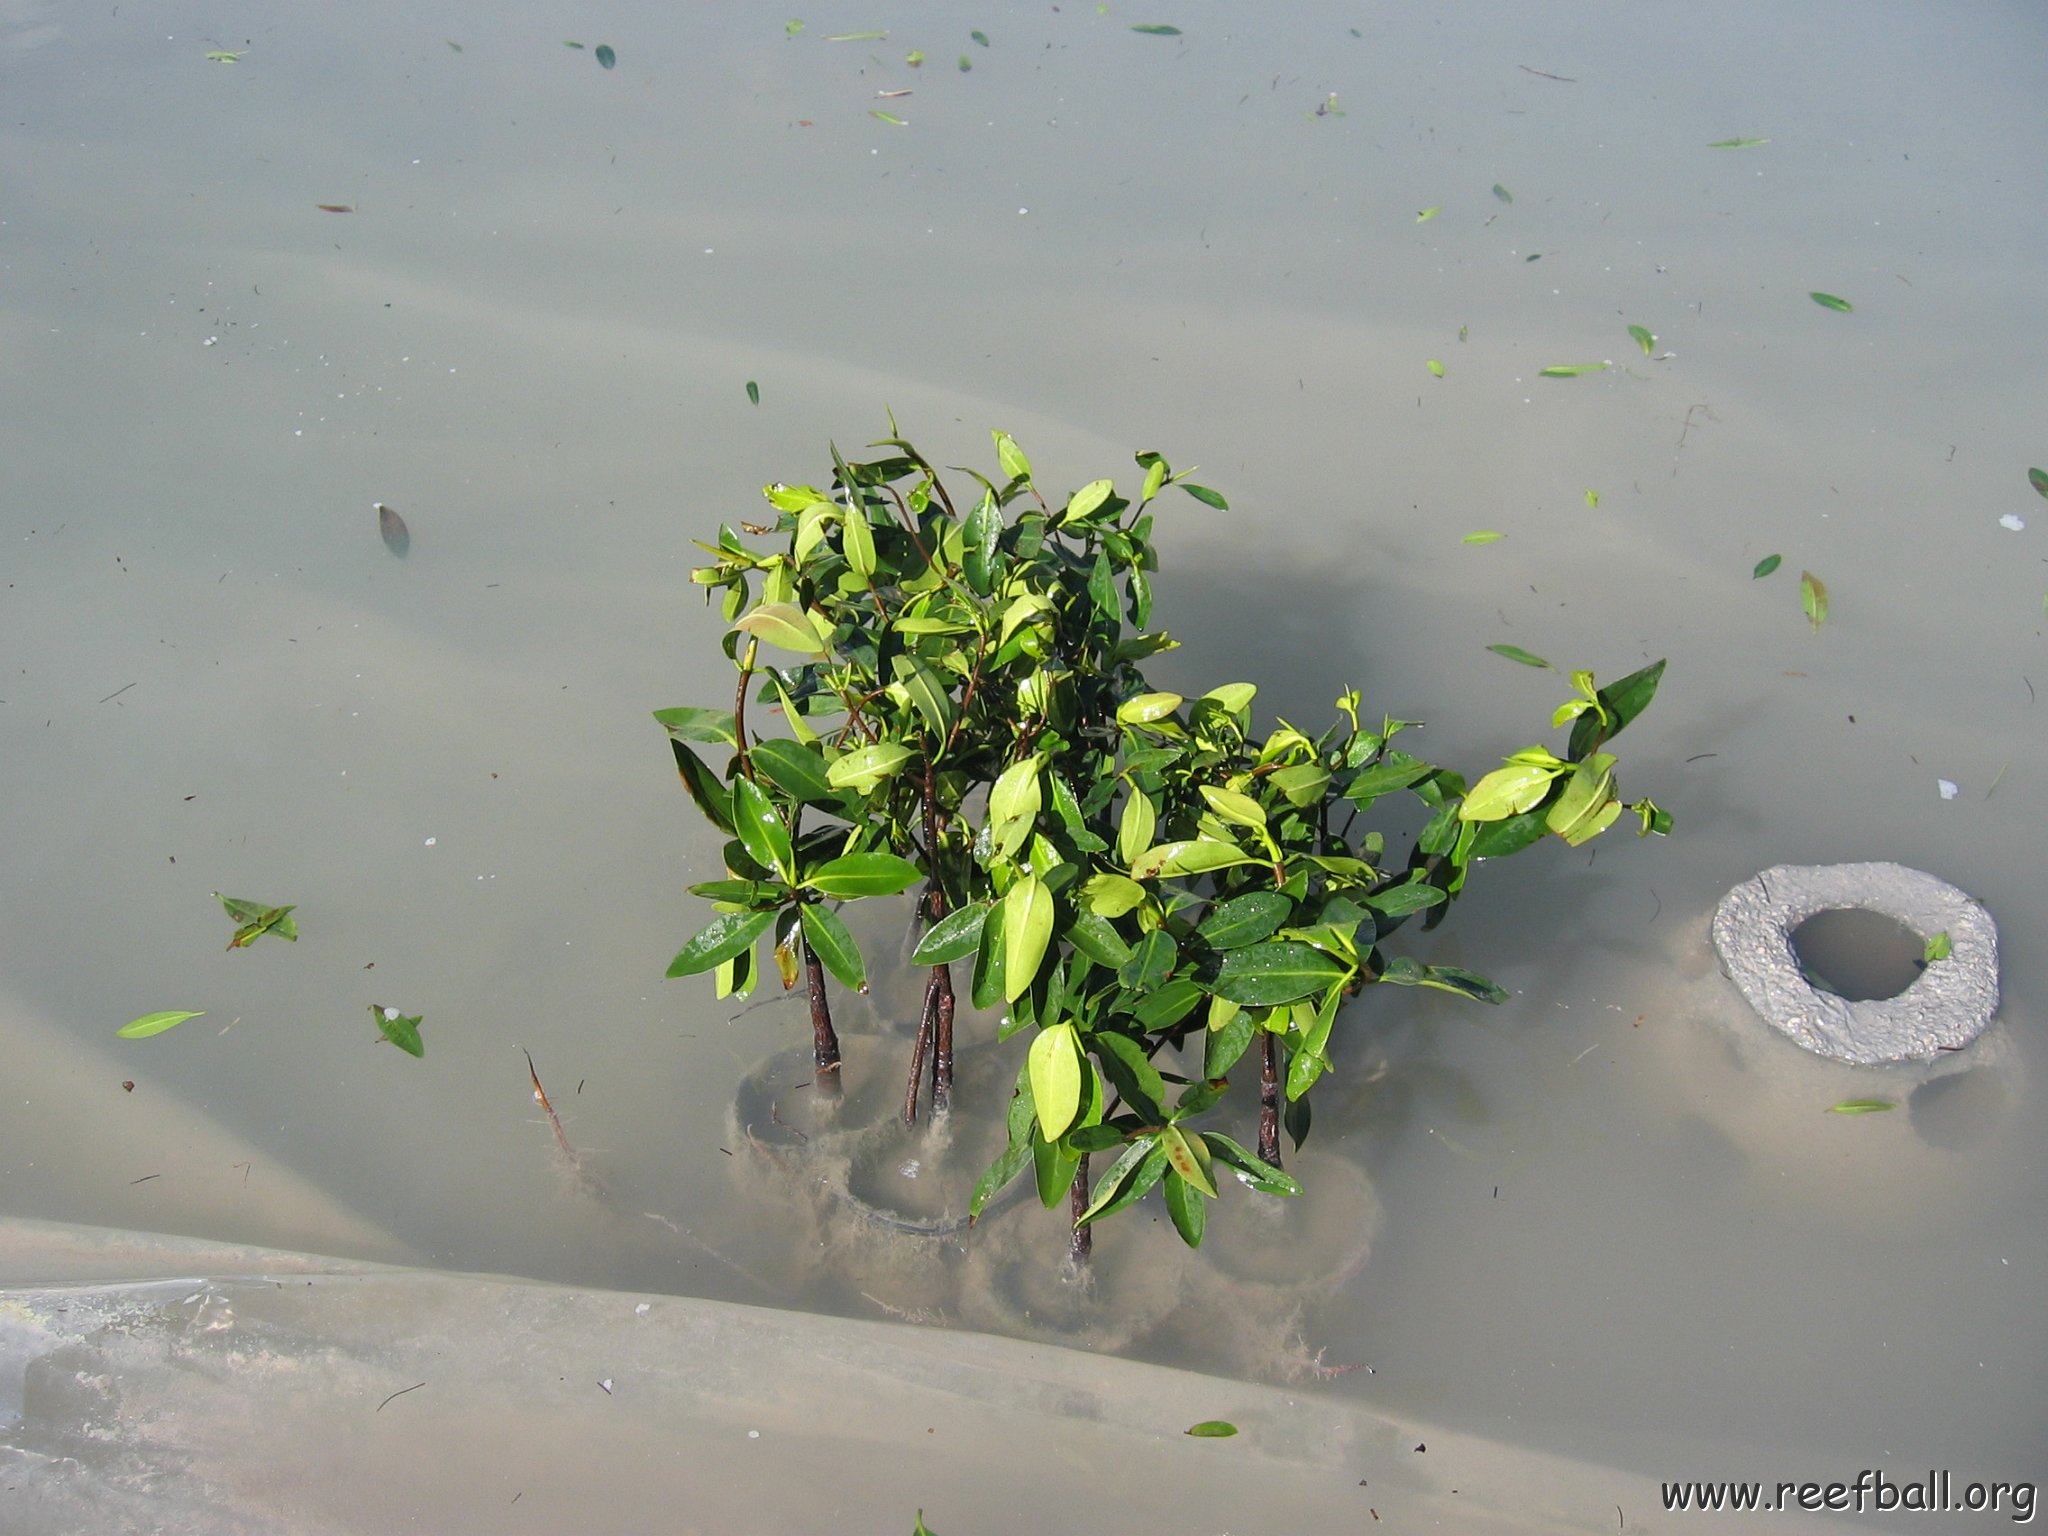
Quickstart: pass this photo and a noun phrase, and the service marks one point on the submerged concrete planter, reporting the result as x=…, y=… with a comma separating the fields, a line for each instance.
x=1944, y=1010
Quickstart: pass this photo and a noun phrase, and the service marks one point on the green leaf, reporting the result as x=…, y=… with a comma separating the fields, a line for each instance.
x=792, y=27
x=928, y=694
x=1426, y=214
x=983, y=532
x=1402, y=900
x=1263, y=1177
x=2038, y=479
x=1623, y=701
x=1187, y=1209
x=1151, y=961
x=1737, y=143
x=1027, y=928
x=888, y=117
x=1813, y=598
x=256, y=919
x=605, y=56
x=1435, y=367
x=720, y=939
x=833, y=945
x=1831, y=301
x=761, y=829
x=1111, y=895
x=1204, y=495
x=1245, y=919
x=859, y=544
x=953, y=936
x=918, y=1527
x=1234, y=807
x=783, y=625
x=1508, y=791
x=796, y=770
x=1085, y=502
x=1277, y=971
x=1128, y=1181
x=401, y=1030
x=1861, y=1107
x=1146, y=708
x=1570, y=370
x=689, y=723
x=1516, y=653
x=1446, y=978
x=1503, y=193
x=1587, y=807
x=1484, y=536
x=1155, y=29
x=1182, y=1157
x=1939, y=947
x=980, y=37
x=1011, y=457
x=1187, y=858
x=155, y=1024
x=1765, y=566
x=863, y=768
x=1131, y=1073
x=856, y=37
x=854, y=875
x=712, y=794
x=1055, y=1066
x=1643, y=339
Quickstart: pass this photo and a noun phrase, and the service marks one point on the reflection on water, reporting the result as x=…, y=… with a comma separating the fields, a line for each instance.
x=1607, y=1218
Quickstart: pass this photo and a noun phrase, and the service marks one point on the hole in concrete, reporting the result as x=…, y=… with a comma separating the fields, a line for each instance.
x=1858, y=954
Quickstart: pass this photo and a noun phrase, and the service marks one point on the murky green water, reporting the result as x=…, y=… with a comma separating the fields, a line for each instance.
x=1606, y=1230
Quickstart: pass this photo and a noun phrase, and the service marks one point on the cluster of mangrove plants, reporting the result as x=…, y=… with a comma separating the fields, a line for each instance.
x=1162, y=899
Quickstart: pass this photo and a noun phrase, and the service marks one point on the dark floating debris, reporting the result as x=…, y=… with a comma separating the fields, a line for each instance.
x=397, y=538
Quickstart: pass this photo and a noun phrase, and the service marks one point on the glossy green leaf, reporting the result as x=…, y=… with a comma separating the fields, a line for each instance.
x=1832, y=301
x=855, y=875
x=952, y=937
x=859, y=543
x=1183, y=1159
x=1204, y=495
x=1027, y=929
x=1263, y=1177
x=1813, y=599
x=833, y=944
x=1096, y=937
x=1587, y=807
x=1055, y=1066
x=1516, y=653
x=254, y=919
x=1198, y=857
x=1128, y=1180
x=400, y=1029
x=1765, y=566
x=863, y=768
x=1939, y=947
x=690, y=724
x=1233, y=806
x=1146, y=708
x=1131, y=1074
x=1861, y=1107
x=1402, y=900
x=720, y=939
x=155, y=1024
x=1277, y=971
x=1622, y=701
x=1086, y=502
x=1011, y=457
x=1245, y=919
x=1571, y=370
x=1151, y=961
x=761, y=828
x=783, y=625
x=1111, y=895
x=711, y=793
x=1507, y=792
x=797, y=771
x=1187, y=1209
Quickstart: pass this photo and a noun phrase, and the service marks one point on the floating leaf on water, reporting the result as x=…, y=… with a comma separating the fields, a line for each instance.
x=920, y=1528
x=856, y=37
x=1536, y=256
x=1831, y=301
x=222, y=56
x=1861, y=1107
x=568, y=43
x=887, y=117
x=1484, y=536
x=335, y=207
x=1592, y=498
x=1813, y=597
x=792, y=27
x=452, y=44
x=980, y=37
x=1571, y=370
x=1737, y=143
x=2038, y=479
x=397, y=537
x=1435, y=367
x=1427, y=214
x=1503, y=193
x=1644, y=338
x=1938, y=947
x=1213, y=1429
x=401, y=1030
x=255, y=919
x=966, y=64
x=155, y=1024
x=914, y=58
x=1155, y=29
x=753, y=392
x=605, y=56
x=1516, y=653
x=1765, y=566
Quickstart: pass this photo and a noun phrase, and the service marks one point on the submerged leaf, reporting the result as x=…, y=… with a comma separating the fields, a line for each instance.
x=1765, y=566
x=1813, y=597
x=1570, y=370
x=1831, y=301
x=753, y=393
x=605, y=55
x=1516, y=653
x=1155, y=29
x=1861, y=1107
x=1737, y=143
x=155, y=1024
x=397, y=537
x=1212, y=1429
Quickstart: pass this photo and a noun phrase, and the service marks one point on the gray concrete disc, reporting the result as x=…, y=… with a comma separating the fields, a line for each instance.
x=1945, y=1009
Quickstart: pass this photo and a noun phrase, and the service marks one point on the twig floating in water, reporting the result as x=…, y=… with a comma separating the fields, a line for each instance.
x=540, y=1097
x=399, y=1393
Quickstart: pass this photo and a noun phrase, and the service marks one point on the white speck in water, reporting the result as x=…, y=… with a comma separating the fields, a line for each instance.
x=1948, y=787
x=607, y=1385
x=753, y=1434
x=2013, y=521
x=642, y=1310
x=431, y=841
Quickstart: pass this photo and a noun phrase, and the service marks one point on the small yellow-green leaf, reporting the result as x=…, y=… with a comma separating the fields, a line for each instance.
x=783, y=625
x=863, y=768
x=1111, y=895
x=1147, y=707
x=1861, y=1107
x=888, y=117
x=1197, y=857
x=1427, y=214
x=1644, y=338
x=1054, y=1068
x=1182, y=1157
x=1765, y=566
x=1212, y=1429
x=1483, y=536
x=1592, y=498
x=1232, y=806
x=1832, y=301
x=1939, y=947
x=1737, y=143
x=1011, y=457
x=1435, y=367
x=1516, y=653
x=1506, y=792
x=792, y=27
x=914, y=58
x=1813, y=597
x=222, y=56
x=1027, y=928
x=155, y=1024
x=856, y=37
x=1503, y=193
x=1085, y=502
x=1570, y=370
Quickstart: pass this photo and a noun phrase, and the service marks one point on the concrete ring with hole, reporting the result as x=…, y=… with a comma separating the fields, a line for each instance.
x=1946, y=1008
